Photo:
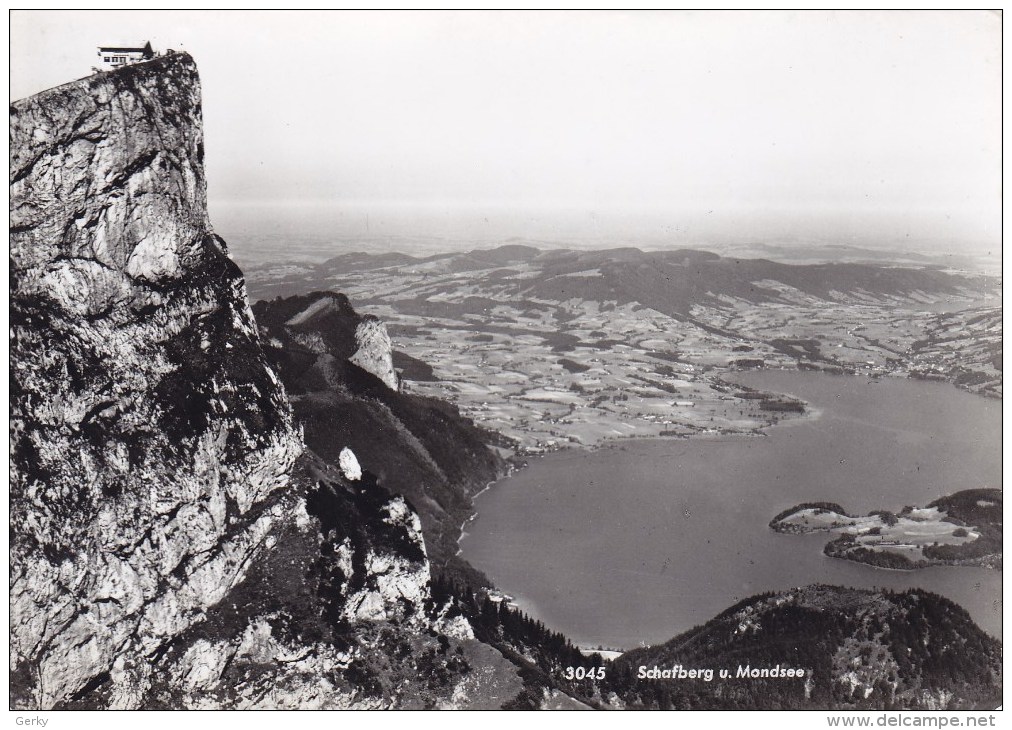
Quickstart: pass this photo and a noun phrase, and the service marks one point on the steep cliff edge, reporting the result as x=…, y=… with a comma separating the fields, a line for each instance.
x=149, y=435
x=375, y=353
x=172, y=542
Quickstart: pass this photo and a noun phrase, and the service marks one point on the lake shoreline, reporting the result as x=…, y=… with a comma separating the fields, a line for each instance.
x=564, y=533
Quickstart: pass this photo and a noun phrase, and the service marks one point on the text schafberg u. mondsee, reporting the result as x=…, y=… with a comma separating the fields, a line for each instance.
x=707, y=675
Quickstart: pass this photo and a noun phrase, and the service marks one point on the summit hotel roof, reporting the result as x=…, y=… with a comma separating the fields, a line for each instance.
x=125, y=49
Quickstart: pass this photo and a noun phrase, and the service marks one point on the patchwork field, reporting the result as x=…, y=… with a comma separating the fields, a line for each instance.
x=560, y=348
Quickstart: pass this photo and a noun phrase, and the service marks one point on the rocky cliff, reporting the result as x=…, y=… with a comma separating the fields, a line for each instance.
x=375, y=353
x=173, y=544
x=362, y=340
x=337, y=368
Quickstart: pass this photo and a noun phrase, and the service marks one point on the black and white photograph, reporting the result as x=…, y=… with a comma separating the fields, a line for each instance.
x=505, y=360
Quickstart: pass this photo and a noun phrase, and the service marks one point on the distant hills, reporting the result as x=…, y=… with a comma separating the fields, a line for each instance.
x=917, y=319
x=669, y=281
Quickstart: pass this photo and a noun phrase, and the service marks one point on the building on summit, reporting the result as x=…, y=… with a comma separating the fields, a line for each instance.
x=110, y=57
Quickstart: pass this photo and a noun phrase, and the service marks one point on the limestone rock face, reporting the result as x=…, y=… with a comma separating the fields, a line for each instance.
x=173, y=544
x=375, y=353
x=350, y=467
x=150, y=437
x=107, y=187
x=324, y=323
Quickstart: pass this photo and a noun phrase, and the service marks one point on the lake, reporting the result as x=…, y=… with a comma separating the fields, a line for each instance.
x=640, y=540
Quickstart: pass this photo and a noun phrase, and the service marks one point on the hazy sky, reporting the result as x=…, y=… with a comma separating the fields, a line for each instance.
x=821, y=123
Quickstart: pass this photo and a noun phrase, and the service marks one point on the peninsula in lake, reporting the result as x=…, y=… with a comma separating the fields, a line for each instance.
x=964, y=528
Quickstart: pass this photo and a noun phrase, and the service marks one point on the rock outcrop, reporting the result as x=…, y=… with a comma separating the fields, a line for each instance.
x=173, y=544
x=325, y=323
x=336, y=366
x=375, y=353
